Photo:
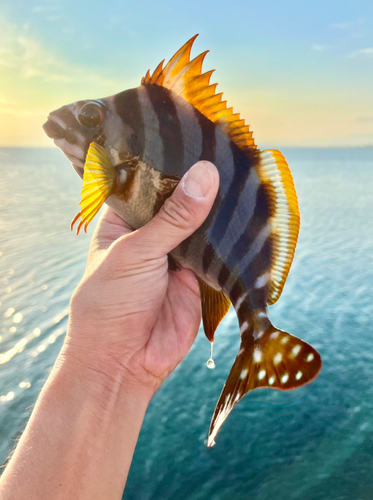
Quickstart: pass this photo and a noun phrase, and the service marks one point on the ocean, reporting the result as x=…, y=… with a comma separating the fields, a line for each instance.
x=314, y=443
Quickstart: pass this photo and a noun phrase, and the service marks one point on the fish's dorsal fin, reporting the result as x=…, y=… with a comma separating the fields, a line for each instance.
x=185, y=78
x=275, y=174
x=215, y=306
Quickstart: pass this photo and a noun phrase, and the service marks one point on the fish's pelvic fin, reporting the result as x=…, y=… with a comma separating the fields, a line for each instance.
x=271, y=358
x=184, y=77
x=275, y=174
x=215, y=305
x=98, y=184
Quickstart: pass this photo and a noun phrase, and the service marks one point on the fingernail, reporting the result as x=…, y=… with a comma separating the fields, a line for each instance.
x=198, y=181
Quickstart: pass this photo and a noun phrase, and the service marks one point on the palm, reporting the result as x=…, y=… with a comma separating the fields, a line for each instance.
x=158, y=311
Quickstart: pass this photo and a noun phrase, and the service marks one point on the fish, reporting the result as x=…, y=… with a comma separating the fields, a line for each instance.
x=131, y=150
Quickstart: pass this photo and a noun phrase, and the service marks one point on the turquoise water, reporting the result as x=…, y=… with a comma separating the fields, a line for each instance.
x=316, y=443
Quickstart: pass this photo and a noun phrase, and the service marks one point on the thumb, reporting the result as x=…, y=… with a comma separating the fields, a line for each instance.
x=183, y=212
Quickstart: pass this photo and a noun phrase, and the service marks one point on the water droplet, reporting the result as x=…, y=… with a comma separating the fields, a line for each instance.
x=210, y=364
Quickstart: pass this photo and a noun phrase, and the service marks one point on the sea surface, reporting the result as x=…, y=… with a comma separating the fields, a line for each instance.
x=315, y=443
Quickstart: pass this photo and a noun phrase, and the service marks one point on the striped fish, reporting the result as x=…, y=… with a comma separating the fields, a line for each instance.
x=131, y=150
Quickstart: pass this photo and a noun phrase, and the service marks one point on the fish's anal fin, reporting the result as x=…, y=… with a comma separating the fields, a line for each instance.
x=215, y=305
x=184, y=77
x=275, y=174
x=275, y=359
x=98, y=184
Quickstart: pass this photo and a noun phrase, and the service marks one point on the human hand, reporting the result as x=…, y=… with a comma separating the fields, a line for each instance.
x=130, y=313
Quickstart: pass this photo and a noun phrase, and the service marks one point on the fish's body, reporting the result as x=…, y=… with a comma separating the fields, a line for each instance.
x=132, y=149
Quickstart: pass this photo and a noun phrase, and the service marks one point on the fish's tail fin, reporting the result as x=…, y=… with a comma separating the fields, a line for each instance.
x=270, y=358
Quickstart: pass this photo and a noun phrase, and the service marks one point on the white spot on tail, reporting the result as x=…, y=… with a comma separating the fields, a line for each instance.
x=271, y=380
x=284, y=339
x=284, y=378
x=274, y=335
x=238, y=396
x=261, y=374
x=262, y=314
x=244, y=372
x=241, y=351
x=258, y=335
x=296, y=350
x=310, y=357
x=244, y=327
x=237, y=305
x=278, y=358
x=257, y=355
x=262, y=280
x=298, y=376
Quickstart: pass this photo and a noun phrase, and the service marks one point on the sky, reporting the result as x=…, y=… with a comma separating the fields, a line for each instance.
x=299, y=71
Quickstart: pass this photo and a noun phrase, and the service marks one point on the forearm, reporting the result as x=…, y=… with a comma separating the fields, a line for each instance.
x=80, y=438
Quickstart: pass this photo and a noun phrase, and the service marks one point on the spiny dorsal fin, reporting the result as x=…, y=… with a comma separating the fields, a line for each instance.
x=215, y=306
x=275, y=174
x=185, y=78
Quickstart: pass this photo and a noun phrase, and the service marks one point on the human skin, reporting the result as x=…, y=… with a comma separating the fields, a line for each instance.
x=132, y=321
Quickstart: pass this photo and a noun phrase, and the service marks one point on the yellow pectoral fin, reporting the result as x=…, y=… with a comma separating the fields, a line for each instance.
x=98, y=184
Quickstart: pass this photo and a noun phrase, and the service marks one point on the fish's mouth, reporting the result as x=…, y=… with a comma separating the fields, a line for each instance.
x=53, y=130
x=73, y=152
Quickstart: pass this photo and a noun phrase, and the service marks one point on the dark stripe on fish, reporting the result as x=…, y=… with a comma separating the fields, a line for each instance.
x=169, y=129
x=128, y=108
x=229, y=203
x=257, y=223
x=208, y=255
x=208, y=137
x=223, y=276
x=260, y=265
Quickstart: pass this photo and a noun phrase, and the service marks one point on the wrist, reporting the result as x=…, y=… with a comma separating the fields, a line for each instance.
x=102, y=379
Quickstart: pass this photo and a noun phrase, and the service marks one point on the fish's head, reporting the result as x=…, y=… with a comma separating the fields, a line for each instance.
x=75, y=126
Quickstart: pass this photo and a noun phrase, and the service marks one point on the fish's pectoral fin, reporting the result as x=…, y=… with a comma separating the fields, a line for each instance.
x=215, y=305
x=271, y=358
x=98, y=184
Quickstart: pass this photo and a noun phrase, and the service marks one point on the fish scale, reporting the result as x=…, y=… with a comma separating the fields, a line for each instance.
x=137, y=145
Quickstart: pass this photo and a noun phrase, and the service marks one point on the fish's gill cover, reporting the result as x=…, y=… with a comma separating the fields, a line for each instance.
x=185, y=78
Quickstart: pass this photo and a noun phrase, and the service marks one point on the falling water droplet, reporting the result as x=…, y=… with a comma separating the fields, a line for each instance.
x=210, y=362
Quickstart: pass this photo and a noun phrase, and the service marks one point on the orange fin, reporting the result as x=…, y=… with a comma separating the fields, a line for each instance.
x=185, y=78
x=98, y=184
x=275, y=174
x=275, y=359
x=215, y=306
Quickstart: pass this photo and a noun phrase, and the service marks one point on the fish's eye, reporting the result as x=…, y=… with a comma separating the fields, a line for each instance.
x=90, y=115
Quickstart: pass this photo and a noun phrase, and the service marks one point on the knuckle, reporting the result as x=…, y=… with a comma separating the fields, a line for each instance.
x=178, y=212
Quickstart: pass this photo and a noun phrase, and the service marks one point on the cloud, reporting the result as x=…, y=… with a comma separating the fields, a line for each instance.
x=364, y=119
x=368, y=52
x=45, y=8
x=345, y=26
x=26, y=58
x=320, y=47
